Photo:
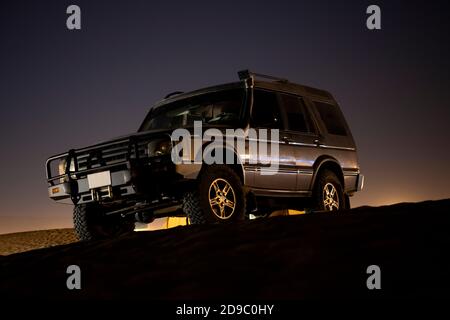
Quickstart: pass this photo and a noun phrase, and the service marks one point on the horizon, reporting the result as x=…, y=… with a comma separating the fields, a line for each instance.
x=65, y=221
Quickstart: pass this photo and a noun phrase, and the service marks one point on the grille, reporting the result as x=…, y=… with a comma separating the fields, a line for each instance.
x=110, y=155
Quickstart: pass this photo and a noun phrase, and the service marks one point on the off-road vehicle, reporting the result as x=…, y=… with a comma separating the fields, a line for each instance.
x=135, y=178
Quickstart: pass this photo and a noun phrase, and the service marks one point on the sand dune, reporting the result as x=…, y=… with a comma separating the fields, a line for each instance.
x=12, y=243
x=25, y=241
x=292, y=257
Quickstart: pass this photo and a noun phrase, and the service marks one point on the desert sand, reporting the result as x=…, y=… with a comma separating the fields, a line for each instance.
x=318, y=255
x=26, y=241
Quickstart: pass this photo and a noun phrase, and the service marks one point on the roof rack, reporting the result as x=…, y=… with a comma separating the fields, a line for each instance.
x=173, y=94
x=245, y=74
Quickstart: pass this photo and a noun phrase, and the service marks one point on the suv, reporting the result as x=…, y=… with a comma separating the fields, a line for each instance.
x=135, y=178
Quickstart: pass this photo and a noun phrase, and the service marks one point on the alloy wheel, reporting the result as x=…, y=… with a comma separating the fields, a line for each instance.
x=222, y=198
x=330, y=197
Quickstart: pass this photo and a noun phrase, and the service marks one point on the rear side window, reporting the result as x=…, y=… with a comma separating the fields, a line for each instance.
x=297, y=117
x=266, y=111
x=332, y=118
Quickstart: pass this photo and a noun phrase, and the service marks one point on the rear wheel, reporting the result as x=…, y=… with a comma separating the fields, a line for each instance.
x=328, y=194
x=91, y=223
x=218, y=197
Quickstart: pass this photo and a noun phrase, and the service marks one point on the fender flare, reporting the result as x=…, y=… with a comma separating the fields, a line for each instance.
x=318, y=165
x=193, y=174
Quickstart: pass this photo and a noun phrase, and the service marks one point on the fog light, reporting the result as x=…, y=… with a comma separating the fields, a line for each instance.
x=55, y=190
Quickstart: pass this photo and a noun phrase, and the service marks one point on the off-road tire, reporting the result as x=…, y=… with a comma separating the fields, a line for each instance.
x=196, y=203
x=91, y=224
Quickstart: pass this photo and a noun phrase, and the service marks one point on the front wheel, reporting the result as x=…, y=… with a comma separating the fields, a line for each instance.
x=91, y=223
x=218, y=197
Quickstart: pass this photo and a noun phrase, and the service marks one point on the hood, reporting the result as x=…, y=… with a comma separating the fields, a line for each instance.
x=135, y=135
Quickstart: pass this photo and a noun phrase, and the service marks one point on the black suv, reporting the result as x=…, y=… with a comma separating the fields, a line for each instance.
x=312, y=164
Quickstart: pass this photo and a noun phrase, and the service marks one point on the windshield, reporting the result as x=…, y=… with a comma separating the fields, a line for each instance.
x=217, y=108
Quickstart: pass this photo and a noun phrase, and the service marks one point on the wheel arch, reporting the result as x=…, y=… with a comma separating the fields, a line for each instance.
x=327, y=163
x=191, y=171
x=237, y=165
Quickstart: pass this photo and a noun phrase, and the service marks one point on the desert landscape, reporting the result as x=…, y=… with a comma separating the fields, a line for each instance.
x=26, y=241
x=308, y=256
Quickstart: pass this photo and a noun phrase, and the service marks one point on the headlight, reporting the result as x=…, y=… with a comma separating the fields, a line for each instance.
x=62, y=167
x=159, y=148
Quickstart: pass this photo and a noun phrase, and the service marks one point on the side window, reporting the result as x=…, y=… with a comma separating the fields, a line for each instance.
x=265, y=111
x=332, y=118
x=296, y=114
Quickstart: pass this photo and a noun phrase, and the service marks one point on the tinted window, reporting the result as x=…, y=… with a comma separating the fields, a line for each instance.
x=218, y=108
x=332, y=118
x=266, y=112
x=296, y=114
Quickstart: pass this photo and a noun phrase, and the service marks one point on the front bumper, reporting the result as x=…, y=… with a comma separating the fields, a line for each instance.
x=120, y=185
x=110, y=171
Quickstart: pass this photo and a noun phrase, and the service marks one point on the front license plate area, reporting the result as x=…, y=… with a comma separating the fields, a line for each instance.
x=99, y=179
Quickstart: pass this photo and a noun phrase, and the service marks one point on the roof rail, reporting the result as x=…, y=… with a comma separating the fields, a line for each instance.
x=245, y=74
x=173, y=94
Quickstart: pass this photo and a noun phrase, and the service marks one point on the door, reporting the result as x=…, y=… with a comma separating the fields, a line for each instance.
x=302, y=135
x=272, y=172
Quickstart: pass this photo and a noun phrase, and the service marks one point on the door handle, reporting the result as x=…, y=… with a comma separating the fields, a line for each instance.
x=318, y=142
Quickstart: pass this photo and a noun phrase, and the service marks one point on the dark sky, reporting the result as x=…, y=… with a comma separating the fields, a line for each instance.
x=62, y=89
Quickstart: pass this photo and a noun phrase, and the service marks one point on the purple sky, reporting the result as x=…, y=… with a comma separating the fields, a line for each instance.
x=62, y=89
